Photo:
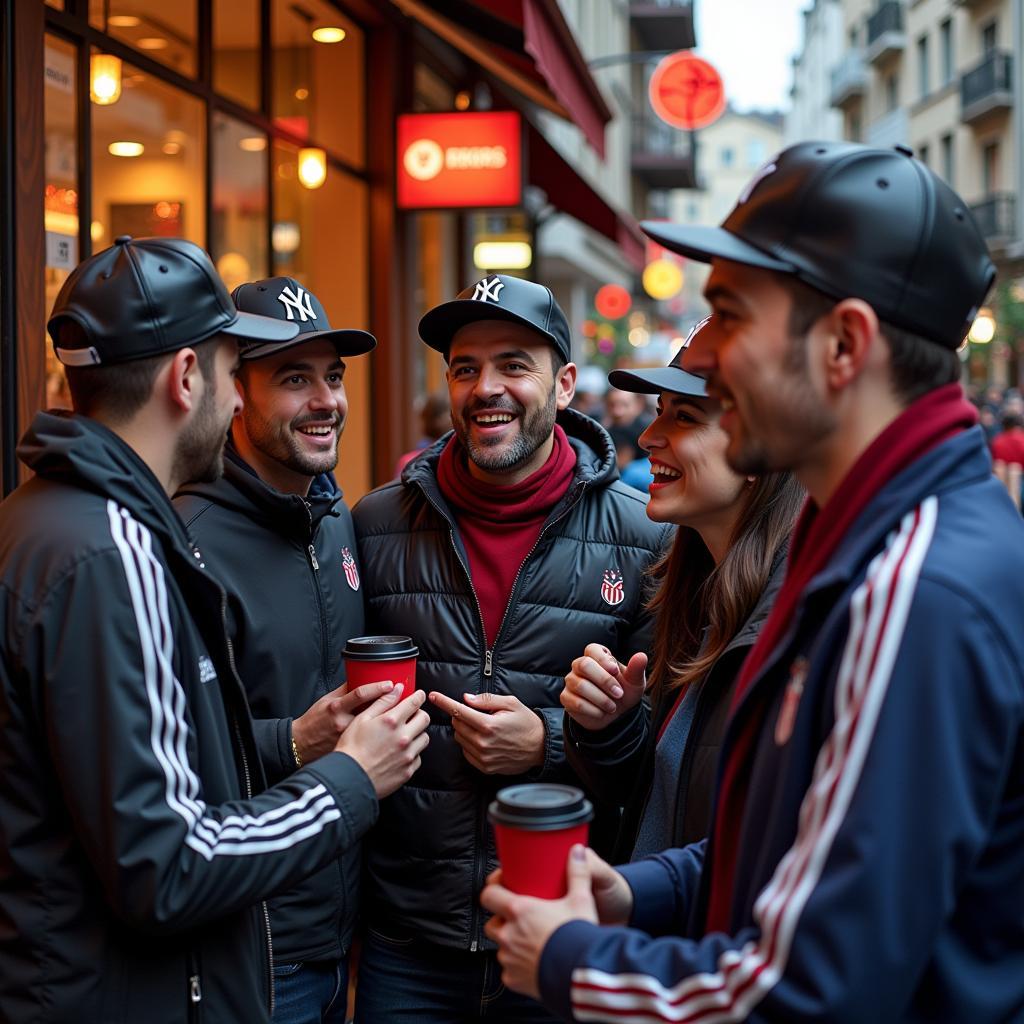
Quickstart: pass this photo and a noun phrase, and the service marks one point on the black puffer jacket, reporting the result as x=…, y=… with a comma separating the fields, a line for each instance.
x=432, y=849
x=135, y=843
x=618, y=762
x=291, y=573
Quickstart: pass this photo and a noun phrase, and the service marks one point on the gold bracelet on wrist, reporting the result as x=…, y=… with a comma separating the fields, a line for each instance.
x=295, y=754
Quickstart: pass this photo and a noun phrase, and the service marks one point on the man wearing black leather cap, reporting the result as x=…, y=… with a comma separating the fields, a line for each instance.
x=866, y=858
x=278, y=514
x=503, y=550
x=138, y=832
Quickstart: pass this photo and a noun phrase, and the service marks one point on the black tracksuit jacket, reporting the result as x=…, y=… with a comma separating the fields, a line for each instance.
x=136, y=837
x=432, y=848
x=290, y=570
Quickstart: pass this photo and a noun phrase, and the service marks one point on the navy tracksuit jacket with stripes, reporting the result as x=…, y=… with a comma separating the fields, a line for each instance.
x=881, y=867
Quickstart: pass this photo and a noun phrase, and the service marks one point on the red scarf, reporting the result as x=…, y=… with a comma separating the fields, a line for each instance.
x=500, y=525
x=932, y=419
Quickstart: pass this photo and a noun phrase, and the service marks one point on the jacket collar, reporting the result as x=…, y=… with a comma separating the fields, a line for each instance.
x=955, y=463
x=79, y=451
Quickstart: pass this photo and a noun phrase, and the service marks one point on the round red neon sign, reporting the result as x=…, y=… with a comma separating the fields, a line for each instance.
x=612, y=301
x=686, y=92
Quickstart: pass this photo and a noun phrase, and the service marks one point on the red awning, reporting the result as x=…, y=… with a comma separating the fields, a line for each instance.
x=528, y=46
x=571, y=194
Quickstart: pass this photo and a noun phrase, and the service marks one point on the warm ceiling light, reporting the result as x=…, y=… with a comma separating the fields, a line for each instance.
x=329, y=34
x=502, y=255
x=312, y=167
x=462, y=100
x=96, y=231
x=253, y=143
x=126, y=149
x=124, y=21
x=171, y=148
x=104, y=79
x=301, y=93
x=151, y=43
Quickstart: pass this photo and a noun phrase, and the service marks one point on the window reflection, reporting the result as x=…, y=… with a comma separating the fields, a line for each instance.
x=238, y=233
x=236, y=50
x=60, y=192
x=164, y=31
x=318, y=86
x=148, y=163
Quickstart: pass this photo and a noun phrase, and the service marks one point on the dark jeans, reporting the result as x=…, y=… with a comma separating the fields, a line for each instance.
x=312, y=992
x=411, y=982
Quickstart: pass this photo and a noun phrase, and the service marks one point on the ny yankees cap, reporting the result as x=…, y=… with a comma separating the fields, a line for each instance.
x=499, y=297
x=856, y=221
x=147, y=296
x=285, y=299
x=663, y=378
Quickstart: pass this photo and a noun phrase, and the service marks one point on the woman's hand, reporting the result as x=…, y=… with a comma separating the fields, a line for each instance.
x=600, y=689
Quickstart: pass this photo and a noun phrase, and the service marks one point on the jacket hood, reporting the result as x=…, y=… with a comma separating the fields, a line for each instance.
x=73, y=449
x=595, y=452
x=241, y=490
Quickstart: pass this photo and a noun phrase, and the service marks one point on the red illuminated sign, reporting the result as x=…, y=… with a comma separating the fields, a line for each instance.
x=686, y=92
x=449, y=160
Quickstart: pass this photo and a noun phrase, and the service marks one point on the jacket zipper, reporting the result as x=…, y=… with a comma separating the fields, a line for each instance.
x=248, y=789
x=195, y=989
x=324, y=641
x=475, y=927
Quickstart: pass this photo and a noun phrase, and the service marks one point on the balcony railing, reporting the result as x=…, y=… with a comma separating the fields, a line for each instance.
x=886, y=35
x=848, y=79
x=997, y=216
x=987, y=87
x=662, y=155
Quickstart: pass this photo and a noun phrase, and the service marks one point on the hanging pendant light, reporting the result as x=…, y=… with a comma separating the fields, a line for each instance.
x=312, y=167
x=104, y=79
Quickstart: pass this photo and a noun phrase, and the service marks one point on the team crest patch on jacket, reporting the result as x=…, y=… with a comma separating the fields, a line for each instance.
x=790, y=702
x=611, y=587
x=348, y=563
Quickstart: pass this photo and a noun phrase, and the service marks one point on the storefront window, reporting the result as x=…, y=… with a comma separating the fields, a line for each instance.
x=148, y=152
x=238, y=233
x=236, y=51
x=60, y=194
x=164, y=31
x=318, y=77
x=320, y=239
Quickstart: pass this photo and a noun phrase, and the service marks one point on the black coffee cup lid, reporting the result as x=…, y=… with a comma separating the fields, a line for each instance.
x=540, y=806
x=380, y=648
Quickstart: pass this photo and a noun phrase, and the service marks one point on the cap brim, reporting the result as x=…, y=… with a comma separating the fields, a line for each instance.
x=253, y=327
x=437, y=326
x=348, y=341
x=658, y=379
x=705, y=244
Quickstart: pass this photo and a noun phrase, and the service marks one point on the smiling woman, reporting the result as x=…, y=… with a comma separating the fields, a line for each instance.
x=714, y=588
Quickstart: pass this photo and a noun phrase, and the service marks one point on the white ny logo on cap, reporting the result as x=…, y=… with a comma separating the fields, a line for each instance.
x=297, y=304
x=488, y=289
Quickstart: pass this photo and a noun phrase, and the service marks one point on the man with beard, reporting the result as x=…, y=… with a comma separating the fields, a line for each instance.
x=138, y=834
x=502, y=548
x=278, y=515
x=866, y=856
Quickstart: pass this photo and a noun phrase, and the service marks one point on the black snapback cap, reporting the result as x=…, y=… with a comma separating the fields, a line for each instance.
x=147, y=296
x=283, y=298
x=663, y=378
x=856, y=222
x=499, y=297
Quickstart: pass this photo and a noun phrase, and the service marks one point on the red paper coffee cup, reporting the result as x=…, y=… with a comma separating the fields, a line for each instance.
x=535, y=827
x=374, y=659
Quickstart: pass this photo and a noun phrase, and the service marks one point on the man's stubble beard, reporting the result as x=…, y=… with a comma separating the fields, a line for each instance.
x=270, y=439
x=200, y=453
x=534, y=430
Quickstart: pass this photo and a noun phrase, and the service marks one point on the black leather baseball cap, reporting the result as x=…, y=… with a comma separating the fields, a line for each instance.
x=499, y=297
x=148, y=296
x=855, y=221
x=663, y=378
x=285, y=299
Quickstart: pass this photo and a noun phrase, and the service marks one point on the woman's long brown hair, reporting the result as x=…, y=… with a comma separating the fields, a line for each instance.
x=692, y=592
